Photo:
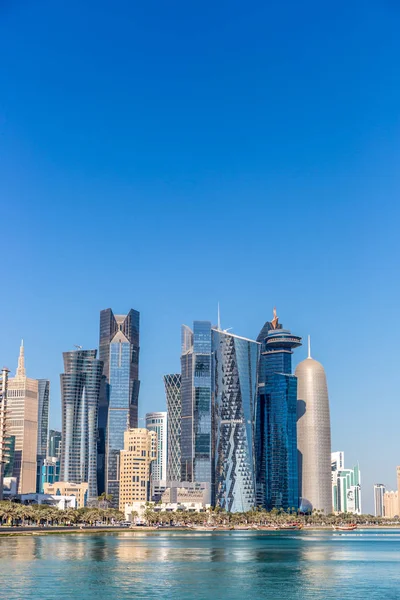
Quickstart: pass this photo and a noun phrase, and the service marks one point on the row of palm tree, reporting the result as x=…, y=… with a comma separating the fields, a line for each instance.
x=276, y=517
x=12, y=514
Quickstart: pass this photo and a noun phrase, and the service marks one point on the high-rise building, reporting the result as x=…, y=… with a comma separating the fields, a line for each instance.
x=4, y=458
x=80, y=389
x=173, y=396
x=314, y=434
x=54, y=447
x=43, y=416
x=22, y=422
x=196, y=451
x=43, y=428
x=346, y=486
x=157, y=421
x=276, y=427
x=119, y=351
x=140, y=450
x=379, y=494
x=234, y=398
x=391, y=504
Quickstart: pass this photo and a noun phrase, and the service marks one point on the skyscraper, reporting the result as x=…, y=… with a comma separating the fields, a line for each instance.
x=196, y=458
x=379, y=495
x=234, y=397
x=314, y=434
x=119, y=351
x=54, y=447
x=22, y=422
x=276, y=435
x=43, y=428
x=80, y=389
x=3, y=429
x=173, y=396
x=157, y=421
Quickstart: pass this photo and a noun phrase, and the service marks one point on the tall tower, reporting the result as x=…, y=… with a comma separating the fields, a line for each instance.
x=234, y=367
x=276, y=436
x=379, y=499
x=119, y=351
x=80, y=389
x=196, y=455
x=314, y=434
x=43, y=427
x=3, y=425
x=22, y=419
x=157, y=421
x=173, y=396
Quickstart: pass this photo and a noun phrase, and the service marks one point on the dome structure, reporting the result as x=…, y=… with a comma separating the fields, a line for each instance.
x=314, y=434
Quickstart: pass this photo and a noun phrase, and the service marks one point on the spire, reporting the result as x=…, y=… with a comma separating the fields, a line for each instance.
x=20, y=374
x=309, y=347
x=219, y=319
x=274, y=321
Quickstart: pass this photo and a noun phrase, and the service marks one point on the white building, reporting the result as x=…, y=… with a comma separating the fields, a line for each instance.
x=60, y=502
x=157, y=421
x=346, y=486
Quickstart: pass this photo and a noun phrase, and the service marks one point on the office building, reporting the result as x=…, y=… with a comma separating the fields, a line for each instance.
x=54, y=447
x=43, y=428
x=50, y=472
x=379, y=494
x=234, y=397
x=66, y=488
x=172, y=385
x=4, y=458
x=80, y=388
x=158, y=422
x=22, y=423
x=140, y=450
x=346, y=486
x=314, y=434
x=196, y=451
x=391, y=504
x=276, y=419
x=119, y=351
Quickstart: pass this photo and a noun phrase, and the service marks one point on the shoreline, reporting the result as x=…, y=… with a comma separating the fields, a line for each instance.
x=29, y=531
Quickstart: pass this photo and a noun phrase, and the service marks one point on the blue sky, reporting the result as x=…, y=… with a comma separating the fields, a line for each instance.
x=167, y=156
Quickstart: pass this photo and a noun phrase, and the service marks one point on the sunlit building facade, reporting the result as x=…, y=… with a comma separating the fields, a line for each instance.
x=119, y=351
x=346, y=486
x=157, y=421
x=276, y=417
x=379, y=497
x=314, y=435
x=80, y=389
x=234, y=397
x=172, y=385
x=22, y=424
x=136, y=458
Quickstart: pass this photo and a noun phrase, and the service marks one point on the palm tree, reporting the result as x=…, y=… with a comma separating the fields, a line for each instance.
x=105, y=500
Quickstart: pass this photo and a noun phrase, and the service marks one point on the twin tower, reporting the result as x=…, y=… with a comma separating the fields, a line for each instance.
x=242, y=423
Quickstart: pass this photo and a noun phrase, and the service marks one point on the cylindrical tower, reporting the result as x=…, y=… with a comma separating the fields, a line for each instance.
x=314, y=435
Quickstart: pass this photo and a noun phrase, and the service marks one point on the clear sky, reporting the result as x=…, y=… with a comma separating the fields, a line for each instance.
x=165, y=156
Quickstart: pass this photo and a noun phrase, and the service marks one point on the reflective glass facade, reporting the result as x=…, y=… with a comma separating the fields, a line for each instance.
x=196, y=460
x=80, y=389
x=43, y=416
x=119, y=351
x=235, y=362
x=173, y=396
x=54, y=448
x=276, y=416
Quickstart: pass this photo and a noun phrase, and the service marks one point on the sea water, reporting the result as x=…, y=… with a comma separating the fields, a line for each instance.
x=234, y=565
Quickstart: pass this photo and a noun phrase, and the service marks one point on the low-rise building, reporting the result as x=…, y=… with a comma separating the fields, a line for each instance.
x=60, y=502
x=65, y=488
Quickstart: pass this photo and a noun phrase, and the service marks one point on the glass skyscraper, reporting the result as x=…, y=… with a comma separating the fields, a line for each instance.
x=80, y=389
x=173, y=396
x=276, y=415
x=235, y=362
x=43, y=427
x=196, y=458
x=119, y=351
x=54, y=447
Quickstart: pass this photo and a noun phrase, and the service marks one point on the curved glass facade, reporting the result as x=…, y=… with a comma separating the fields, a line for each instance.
x=173, y=396
x=276, y=416
x=43, y=416
x=80, y=389
x=235, y=362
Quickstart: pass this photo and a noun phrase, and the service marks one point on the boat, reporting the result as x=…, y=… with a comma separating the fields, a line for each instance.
x=350, y=527
x=291, y=527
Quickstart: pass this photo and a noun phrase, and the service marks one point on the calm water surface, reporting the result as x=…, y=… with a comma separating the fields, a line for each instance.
x=202, y=566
